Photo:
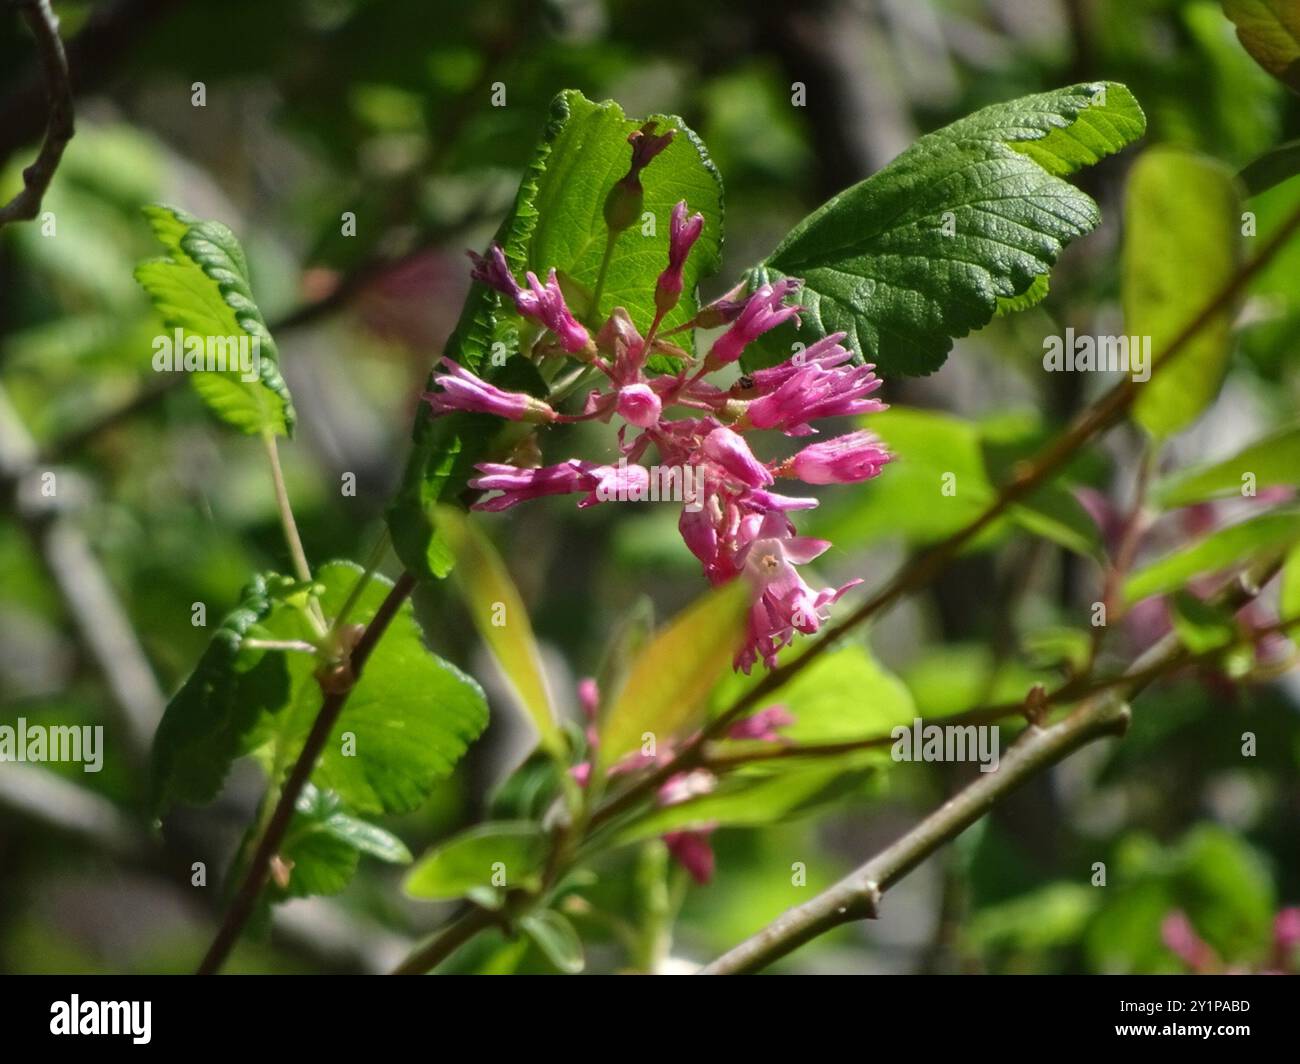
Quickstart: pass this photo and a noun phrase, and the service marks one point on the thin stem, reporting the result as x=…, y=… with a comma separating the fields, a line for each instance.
x=44, y=25
x=648, y=343
x=857, y=897
x=291, y=537
x=256, y=873
x=446, y=942
x=599, y=290
x=1133, y=528
x=298, y=645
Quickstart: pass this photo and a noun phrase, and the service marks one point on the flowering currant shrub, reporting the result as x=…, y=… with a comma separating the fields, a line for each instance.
x=587, y=362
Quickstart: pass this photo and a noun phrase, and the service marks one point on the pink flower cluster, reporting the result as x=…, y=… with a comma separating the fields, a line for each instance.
x=738, y=525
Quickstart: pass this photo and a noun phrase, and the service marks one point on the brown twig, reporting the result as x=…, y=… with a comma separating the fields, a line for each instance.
x=44, y=25
x=447, y=941
x=258, y=868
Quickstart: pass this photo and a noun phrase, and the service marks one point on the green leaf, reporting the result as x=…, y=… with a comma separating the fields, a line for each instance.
x=876, y=260
x=1057, y=647
x=954, y=677
x=501, y=855
x=1235, y=545
x=939, y=482
x=407, y=722
x=1271, y=169
x=1030, y=297
x=1270, y=31
x=933, y=452
x=203, y=289
x=1055, y=514
x=501, y=618
x=325, y=844
x=1271, y=462
x=1289, y=601
x=751, y=799
x=557, y=221
x=206, y=724
x=844, y=695
x=1051, y=916
x=556, y=938
x=1182, y=243
x=667, y=686
x=1201, y=626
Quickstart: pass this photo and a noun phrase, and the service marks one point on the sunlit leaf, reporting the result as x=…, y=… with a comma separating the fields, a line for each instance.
x=1232, y=546
x=1182, y=243
x=501, y=618
x=667, y=686
x=1270, y=31
x=1269, y=463
x=965, y=220
x=502, y=855
x=203, y=289
x=556, y=938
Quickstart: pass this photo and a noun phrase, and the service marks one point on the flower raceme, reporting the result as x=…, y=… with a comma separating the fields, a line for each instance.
x=737, y=525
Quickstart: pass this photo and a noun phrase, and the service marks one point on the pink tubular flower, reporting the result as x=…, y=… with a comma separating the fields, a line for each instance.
x=730, y=451
x=462, y=390
x=639, y=405
x=545, y=303
x=542, y=303
x=646, y=144
x=700, y=534
x=762, y=725
x=493, y=271
x=691, y=428
x=682, y=234
x=589, y=697
x=813, y=392
x=827, y=353
x=625, y=482
x=518, y=485
x=690, y=847
x=763, y=311
x=784, y=603
x=842, y=460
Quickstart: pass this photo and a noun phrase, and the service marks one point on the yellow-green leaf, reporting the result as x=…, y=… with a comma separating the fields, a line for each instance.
x=1270, y=31
x=668, y=684
x=1182, y=243
x=499, y=615
x=202, y=289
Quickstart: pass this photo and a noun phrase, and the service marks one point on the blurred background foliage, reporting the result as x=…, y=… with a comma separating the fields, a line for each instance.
x=383, y=108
